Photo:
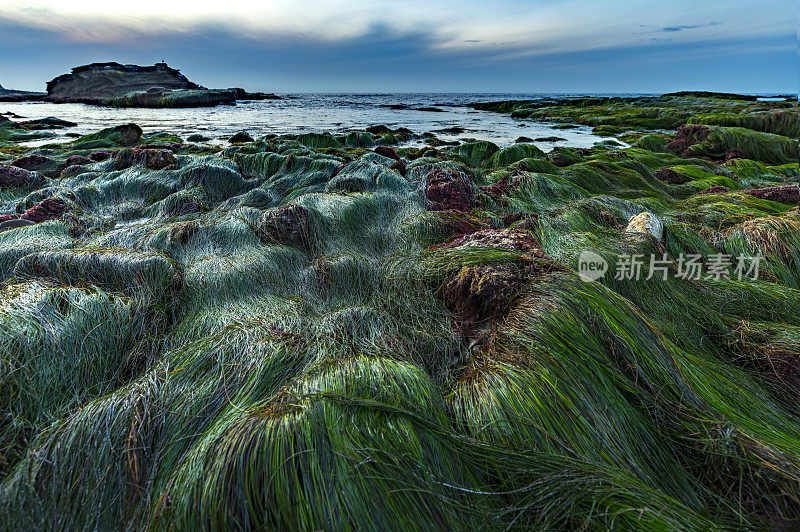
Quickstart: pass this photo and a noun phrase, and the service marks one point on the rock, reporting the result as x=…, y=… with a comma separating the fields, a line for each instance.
x=687, y=136
x=448, y=190
x=562, y=156
x=669, y=176
x=400, y=166
x=645, y=222
x=508, y=239
x=478, y=293
x=289, y=225
x=429, y=109
x=99, y=156
x=154, y=159
x=378, y=130
x=788, y=194
x=196, y=137
x=241, y=137
x=15, y=223
x=98, y=82
x=13, y=177
x=124, y=135
x=78, y=160
x=550, y=139
x=47, y=123
x=48, y=209
x=716, y=189
x=9, y=95
x=520, y=220
x=523, y=139
x=38, y=163
x=149, y=158
x=387, y=152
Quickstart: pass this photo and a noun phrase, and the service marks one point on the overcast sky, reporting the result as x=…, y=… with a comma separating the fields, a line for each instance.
x=415, y=46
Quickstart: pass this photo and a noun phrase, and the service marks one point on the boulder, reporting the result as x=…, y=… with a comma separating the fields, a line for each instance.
x=240, y=137
x=13, y=177
x=645, y=223
x=448, y=190
x=48, y=209
x=39, y=163
x=149, y=158
x=123, y=135
x=288, y=225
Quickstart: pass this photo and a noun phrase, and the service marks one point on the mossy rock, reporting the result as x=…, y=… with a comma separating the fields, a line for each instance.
x=475, y=153
x=117, y=136
x=514, y=153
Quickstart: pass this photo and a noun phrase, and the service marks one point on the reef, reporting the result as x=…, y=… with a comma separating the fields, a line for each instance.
x=338, y=331
x=118, y=85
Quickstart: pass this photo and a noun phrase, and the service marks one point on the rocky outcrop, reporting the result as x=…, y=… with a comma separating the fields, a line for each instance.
x=8, y=95
x=139, y=86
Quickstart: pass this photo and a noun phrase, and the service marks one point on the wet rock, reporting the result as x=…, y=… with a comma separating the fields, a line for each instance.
x=788, y=194
x=13, y=177
x=520, y=220
x=70, y=171
x=550, y=139
x=149, y=158
x=508, y=239
x=458, y=223
x=687, y=136
x=47, y=123
x=99, y=156
x=478, y=293
x=448, y=190
x=289, y=224
x=716, y=189
x=13, y=223
x=387, y=152
x=645, y=223
x=196, y=137
x=669, y=176
x=38, y=163
x=562, y=156
x=123, y=135
x=155, y=159
x=523, y=139
x=379, y=130
x=78, y=160
x=400, y=166
x=48, y=209
x=240, y=137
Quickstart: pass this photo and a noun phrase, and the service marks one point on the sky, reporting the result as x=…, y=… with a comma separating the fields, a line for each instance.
x=506, y=46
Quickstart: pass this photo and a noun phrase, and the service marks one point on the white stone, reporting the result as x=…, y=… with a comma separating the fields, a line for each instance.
x=645, y=222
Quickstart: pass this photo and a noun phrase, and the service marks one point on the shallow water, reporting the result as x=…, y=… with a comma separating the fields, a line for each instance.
x=298, y=113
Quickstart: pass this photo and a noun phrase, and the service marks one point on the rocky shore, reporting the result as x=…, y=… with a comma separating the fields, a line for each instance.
x=117, y=85
x=336, y=331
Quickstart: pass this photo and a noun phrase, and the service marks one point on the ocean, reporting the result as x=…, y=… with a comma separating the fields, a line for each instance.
x=336, y=113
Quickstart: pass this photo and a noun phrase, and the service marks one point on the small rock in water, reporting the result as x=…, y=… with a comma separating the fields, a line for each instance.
x=240, y=137
x=645, y=222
